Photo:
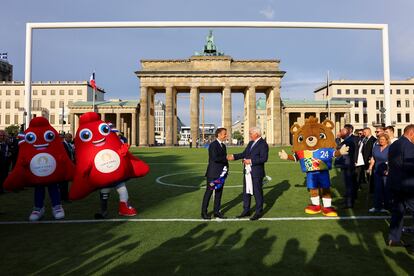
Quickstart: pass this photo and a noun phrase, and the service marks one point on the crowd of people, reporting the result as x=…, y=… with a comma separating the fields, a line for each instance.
x=385, y=164
x=366, y=164
x=8, y=155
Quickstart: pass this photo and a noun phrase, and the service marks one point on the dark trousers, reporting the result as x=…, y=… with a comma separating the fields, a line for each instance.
x=360, y=176
x=381, y=192
x=64, y=190
x=257, y=193
x=39, y=195
x=3, y=175
x=207, y=196
x=348, y=175
x=400, y=202
x=371, y=184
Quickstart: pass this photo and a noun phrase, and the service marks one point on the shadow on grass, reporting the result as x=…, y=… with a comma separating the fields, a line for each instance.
x=204, y=251
x=72, y=250
x=270, y=198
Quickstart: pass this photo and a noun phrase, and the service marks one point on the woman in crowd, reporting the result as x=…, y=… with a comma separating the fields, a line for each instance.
x=379, y=170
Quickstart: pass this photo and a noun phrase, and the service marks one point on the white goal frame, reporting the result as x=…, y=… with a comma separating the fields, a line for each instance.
x=204, y=24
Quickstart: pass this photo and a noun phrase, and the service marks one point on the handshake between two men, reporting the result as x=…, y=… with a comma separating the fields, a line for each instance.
x=230, y=157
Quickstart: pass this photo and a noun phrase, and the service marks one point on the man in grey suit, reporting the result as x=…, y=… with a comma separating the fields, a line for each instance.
x=254, y=158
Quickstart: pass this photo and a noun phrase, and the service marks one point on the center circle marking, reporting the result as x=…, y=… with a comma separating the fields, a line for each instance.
x=159, y=181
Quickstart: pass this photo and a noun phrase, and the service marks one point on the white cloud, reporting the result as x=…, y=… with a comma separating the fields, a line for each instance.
x=269, y=12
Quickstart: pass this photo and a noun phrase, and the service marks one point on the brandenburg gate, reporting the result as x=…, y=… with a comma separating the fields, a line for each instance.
x=211, y=72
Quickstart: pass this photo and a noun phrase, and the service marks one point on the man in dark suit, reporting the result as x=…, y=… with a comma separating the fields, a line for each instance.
x=347, y=165
x=4, y=158
x=369, y=142
x=217, y=166
x=363, y=158
x=254, y=158
x=401, y=182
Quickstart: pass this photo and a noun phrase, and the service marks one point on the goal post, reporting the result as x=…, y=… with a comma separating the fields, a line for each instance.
x=204, y=24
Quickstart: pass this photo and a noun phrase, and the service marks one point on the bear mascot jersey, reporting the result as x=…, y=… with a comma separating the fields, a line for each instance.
x=42, y=159
x=102, y=160
x=314, y=147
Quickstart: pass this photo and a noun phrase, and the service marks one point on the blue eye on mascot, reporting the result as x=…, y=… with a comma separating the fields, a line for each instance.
x=314, y=147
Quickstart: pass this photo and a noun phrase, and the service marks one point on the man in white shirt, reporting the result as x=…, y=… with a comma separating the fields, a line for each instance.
x=389, y=130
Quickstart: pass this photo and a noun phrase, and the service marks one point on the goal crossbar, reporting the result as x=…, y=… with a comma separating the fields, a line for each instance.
x=205, y=24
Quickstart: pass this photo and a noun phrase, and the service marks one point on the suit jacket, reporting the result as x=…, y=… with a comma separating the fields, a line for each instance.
x=217, y=159
x=401, y=166
x=367, y=150
x=69, y=151
x=348, y=161
x=4, y=158
x=258, y=154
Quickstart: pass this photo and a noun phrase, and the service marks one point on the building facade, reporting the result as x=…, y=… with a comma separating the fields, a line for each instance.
x=367, y=99
x=159, y=109
x=122, y=114
x=208, y=130
x=237, y=126
x=296, y=111
x=209, y=74
x=49, y=99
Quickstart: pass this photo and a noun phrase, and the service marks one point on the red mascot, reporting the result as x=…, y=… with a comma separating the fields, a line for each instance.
x=103, y=162
x=42, y=162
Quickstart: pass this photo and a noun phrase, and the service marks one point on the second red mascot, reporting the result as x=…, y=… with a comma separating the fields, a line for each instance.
x=103, y=161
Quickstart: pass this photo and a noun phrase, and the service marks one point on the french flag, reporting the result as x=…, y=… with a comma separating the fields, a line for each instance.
x=92, y=81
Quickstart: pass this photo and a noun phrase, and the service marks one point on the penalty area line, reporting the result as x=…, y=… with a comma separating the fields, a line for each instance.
x=80, y=221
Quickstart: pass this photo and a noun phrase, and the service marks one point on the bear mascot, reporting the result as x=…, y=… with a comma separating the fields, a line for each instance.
x=103, y=162
x=42, y=162
x=314, y=147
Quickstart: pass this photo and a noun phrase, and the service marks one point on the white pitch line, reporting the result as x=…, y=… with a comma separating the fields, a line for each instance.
x=79, y=221
x=205, y=163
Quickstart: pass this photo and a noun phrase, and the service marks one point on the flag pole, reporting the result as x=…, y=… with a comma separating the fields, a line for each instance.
x=94, y=91
x=327, y=96
x=93, y=99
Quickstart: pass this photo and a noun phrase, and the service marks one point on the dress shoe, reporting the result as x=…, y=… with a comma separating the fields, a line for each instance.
x=205, y=216
x=219, y=215
x=102, y=215
x=348, y=206
x=243, y=215
x=256, y=216
x=392, y=243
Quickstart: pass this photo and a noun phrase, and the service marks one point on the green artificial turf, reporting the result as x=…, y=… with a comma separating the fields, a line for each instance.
x=342, y=247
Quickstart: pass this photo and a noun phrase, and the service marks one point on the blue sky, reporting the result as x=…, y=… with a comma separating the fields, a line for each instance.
x=306, y=55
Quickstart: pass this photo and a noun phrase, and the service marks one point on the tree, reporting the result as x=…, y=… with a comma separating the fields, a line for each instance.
x=12, y=130
x=237, y=135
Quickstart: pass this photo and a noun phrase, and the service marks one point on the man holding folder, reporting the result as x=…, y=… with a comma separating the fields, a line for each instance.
x=254, y=158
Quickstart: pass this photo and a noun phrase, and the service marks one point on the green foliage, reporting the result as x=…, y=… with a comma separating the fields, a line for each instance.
x=237, y=135
x=12, y=130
